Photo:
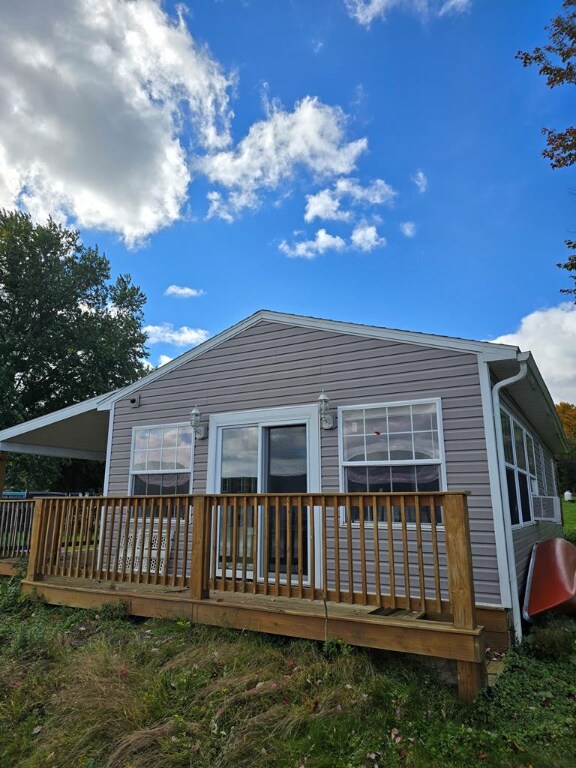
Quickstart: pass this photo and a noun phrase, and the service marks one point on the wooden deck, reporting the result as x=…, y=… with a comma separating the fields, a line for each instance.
x=386, y=571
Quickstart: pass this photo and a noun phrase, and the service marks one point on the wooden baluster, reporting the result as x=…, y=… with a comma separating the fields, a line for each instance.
x=246, y=518
x=224, y=541
x=349, y=550
x=255, y=545
x=215, y=506
x=48, y=528
x=289, y=546
x=312, y=527
x=175, y=514
x=157, y=575
x=73, y=507
x=421, y=575
x=81, y=544
x=126, y=525
x=234, y=500
x=376, y=544
x=277, y=546
x=141, y=504
x=300, y=547
x=324, y=548
x=266, y=505
x=118, y=538
x=63, y=539
x=168, y=514
x=148, y=534
x=132, y=513
x=391, y=553
x=405, y=551
x=182, y=580
x=337, y=578
x=435, y=557
x=362, y=508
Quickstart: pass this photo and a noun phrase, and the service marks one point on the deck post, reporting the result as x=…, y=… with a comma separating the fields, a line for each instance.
x=3, y=462
x=471, y=675
x=33, y=551
x=200, y=567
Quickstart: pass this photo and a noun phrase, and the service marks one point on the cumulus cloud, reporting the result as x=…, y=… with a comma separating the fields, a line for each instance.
x=184, y=292
x=550, y=334
x=163, y=359
x=92, y=101
x=408, y=228
x=309, y=249
x=326, y=203
x=421, y=181
x=365, y=237
x=365, y=11
x=180, y=337
x=311, y=137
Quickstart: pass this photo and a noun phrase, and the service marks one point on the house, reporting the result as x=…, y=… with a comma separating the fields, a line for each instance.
x=400, y=477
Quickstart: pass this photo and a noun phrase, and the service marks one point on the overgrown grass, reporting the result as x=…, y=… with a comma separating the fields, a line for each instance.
x=97, y=690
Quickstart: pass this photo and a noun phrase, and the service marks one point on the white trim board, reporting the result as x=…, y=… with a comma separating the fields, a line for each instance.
x=48, y=450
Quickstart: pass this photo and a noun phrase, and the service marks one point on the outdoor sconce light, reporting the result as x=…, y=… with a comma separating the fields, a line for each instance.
x=200, y=430
x=326, y=418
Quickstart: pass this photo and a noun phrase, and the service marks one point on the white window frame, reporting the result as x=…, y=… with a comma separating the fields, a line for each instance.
x=536, y=443
x=441, y=461
x=132, y=472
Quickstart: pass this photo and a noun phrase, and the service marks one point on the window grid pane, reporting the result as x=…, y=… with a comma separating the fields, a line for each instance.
x=161, y=460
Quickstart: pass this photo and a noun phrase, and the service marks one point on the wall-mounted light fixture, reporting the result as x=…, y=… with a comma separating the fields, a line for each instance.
x=327, y=420
x=200, y=430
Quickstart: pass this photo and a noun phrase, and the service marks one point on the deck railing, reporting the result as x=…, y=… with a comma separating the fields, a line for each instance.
x=390, y=551
x=15, y=527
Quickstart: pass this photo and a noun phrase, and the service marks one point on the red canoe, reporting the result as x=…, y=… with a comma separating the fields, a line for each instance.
x=551, y=583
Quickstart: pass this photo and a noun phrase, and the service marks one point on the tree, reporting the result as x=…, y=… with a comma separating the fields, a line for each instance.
x=567, y=461
x=557, y=63
x=68, y=332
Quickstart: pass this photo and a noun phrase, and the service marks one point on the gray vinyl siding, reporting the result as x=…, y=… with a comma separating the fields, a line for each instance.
x=272, y=364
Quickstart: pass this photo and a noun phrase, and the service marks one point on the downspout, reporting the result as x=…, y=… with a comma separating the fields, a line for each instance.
x=521, y=358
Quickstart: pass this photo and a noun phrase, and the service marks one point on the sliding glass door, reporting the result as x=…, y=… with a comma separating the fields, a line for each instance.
x=267, y=458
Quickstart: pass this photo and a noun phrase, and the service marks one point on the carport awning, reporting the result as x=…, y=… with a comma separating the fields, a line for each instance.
x=77, y=432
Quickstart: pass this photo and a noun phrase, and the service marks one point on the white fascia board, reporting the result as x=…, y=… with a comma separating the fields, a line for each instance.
x=488, y=350
x=48, y=450
x=51, y=418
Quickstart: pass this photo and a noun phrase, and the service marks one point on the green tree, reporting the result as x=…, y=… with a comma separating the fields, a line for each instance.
x=68, y=331
x=567, y=461
x=556, y=61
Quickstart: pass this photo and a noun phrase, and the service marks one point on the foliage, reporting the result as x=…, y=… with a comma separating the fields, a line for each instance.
x=556, y=61
x=88, y=689
x=567, y=461
x=69, y=332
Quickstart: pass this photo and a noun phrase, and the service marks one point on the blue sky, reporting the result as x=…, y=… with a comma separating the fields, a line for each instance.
x=375, y=161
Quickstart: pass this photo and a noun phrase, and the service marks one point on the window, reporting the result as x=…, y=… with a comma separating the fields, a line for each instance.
x=161, y=461
x=520, y=462
x=394, y=448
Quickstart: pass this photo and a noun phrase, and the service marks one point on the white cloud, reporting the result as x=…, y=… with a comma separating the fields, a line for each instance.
x=163, y=359
x=365, y=11
x=408, y=228
x=365, y=237
x=93, y=97
x=184, y=292
x=311, y=137
x=326, y=203
x=180, y=337
x=309, y=249
x=421, y=181
x=550, y=334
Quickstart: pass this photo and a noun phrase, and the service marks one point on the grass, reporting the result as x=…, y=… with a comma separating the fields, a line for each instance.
x=99, y=690
x=569, y=515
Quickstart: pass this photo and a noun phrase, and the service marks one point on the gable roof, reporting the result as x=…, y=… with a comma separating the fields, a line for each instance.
x=487, y=350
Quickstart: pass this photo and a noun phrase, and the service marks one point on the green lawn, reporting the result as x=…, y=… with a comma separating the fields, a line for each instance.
x=569, y=514
x=93, y=689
